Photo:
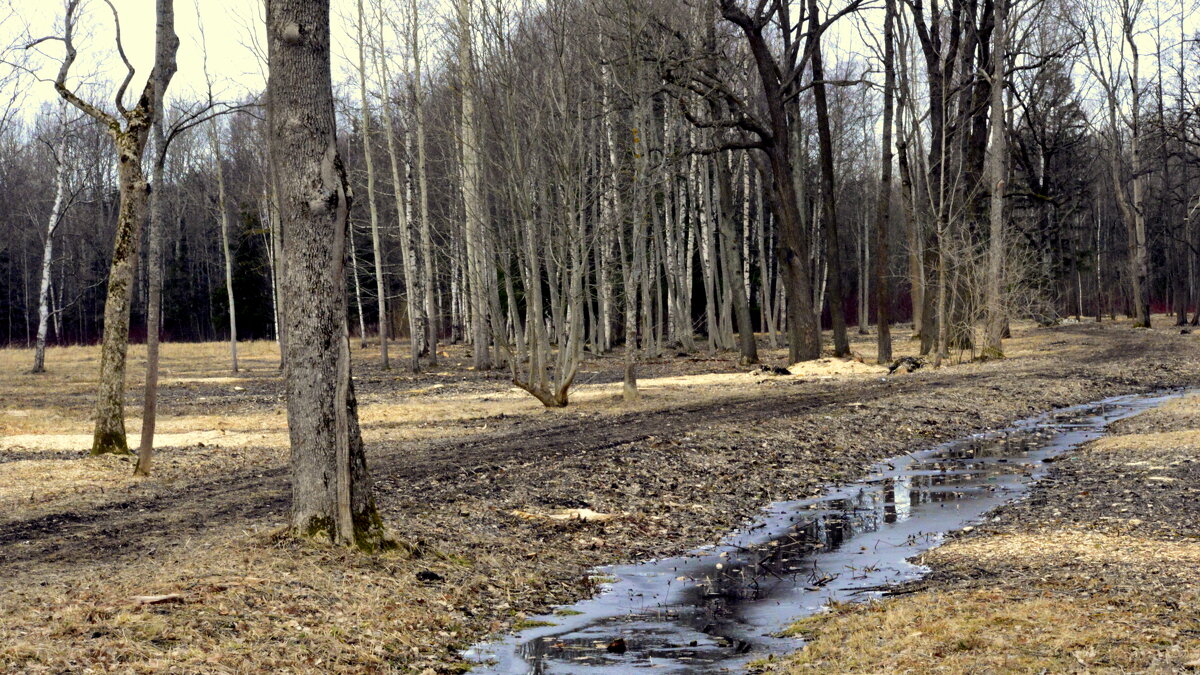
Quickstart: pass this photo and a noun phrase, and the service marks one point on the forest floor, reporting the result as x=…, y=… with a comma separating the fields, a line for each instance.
x=461, y=461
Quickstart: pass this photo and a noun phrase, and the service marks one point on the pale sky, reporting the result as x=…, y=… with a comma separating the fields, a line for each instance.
x=235, y=36
x=233, y=30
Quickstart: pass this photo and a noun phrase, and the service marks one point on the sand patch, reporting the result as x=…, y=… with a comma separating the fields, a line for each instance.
x=38, y=481
x=831, y=368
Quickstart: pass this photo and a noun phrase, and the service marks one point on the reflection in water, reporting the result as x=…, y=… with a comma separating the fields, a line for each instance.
x=718, y=607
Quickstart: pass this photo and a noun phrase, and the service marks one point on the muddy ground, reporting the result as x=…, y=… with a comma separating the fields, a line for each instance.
x=454, y=454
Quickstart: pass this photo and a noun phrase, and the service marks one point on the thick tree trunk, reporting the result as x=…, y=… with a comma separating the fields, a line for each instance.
x=130, y=141
x=331, y=490
x=804, y=336
x=109, y=435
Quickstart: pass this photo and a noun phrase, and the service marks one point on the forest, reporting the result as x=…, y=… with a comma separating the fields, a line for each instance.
x=416, y=336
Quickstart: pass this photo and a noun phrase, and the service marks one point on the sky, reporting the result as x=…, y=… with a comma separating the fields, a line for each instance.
x=235, y=37
x=232, y=29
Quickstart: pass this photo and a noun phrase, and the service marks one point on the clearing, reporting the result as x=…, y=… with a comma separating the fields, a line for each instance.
x=455, y=453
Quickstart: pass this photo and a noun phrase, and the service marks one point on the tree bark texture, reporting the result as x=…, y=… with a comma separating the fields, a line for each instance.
x=331, y=489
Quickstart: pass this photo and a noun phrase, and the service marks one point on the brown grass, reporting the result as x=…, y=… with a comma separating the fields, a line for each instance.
x=1000, y=631
x=247, y=606
x=1080, y=605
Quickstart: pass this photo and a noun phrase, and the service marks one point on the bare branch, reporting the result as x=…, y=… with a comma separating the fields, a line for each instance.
x=129, y=70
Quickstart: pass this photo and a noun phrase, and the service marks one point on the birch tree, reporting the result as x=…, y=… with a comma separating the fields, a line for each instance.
x=368, y=157
x=57, y=211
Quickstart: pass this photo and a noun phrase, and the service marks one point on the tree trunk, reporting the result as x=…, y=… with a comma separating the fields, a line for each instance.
x=362, y=318
x=804, y=337
x=130, y=141
x=733, y=262
x=331, y=489
x=368, y=158
x=478, y=262
x=153, y=307
x=224, y=209
x=997, y=170
x=432, y=322
x=56, y=215
x=841, y=343
x=109, y=435
x=883, y=208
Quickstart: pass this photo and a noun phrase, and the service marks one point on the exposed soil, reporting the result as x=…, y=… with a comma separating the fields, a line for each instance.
x=679, y=472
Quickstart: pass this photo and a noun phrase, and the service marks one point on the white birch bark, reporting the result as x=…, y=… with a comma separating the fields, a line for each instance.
x=56, y=214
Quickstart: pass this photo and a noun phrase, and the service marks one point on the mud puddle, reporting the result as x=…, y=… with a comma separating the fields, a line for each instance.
x=719, y=607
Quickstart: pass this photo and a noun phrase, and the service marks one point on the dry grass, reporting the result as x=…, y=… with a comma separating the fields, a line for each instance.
x=227, y=429
x=37, y=482
x=247, y=606
x=1064, y=550
x=1000, y=631
x=61, y=398
x=222, y=425
x=1082, y=602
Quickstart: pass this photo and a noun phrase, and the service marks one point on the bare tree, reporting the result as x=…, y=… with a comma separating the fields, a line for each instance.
x=997, y=169
x=368, y=157
x=1108, y=31
x=883, y=208
x=56, y=215
x=780, y=80
x=223, y=208
x=841, y=344
x=130, y=137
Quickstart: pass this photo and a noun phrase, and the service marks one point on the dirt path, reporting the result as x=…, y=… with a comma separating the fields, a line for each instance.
x=682, y=476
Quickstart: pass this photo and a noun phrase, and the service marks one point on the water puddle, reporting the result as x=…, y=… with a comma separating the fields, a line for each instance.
x=718, y=607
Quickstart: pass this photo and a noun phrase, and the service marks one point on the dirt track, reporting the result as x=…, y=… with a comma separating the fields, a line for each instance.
x=685, y=474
